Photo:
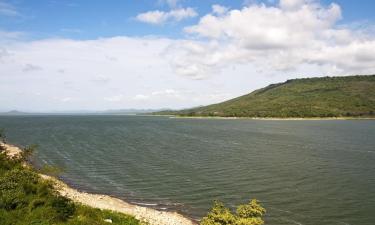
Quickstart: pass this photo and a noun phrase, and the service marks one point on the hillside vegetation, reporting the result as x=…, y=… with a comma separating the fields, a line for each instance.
x=350, y=96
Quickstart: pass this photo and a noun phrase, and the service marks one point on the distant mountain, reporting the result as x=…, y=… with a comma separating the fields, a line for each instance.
x=86, y=112
x=349, y=96
x=128, y=111
x=13, y=112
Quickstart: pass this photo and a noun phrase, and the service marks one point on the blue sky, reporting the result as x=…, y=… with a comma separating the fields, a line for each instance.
x=87, y=19
x=97, y=55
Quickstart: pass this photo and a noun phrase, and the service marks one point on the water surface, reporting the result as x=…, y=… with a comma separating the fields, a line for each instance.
x=303, y=172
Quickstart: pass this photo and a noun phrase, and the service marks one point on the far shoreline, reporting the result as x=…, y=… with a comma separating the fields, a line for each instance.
x=267, y=118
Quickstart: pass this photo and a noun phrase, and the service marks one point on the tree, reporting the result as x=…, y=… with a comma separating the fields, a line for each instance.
x=248, y=214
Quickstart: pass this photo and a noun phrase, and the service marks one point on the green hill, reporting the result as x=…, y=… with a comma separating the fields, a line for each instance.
x=349, y=96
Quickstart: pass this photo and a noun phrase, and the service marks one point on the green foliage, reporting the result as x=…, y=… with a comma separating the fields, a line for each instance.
x=63, y=208
x=27, y=199
x=2, y=135
x=90, y=216
x=350, y=96
x=28, y=152
x=250, y=210
x=51, y=170
x=2, y=140
x=219, y=215
x=248, y=214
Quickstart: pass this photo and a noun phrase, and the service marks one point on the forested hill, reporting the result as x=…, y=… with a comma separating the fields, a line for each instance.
x=349, y=96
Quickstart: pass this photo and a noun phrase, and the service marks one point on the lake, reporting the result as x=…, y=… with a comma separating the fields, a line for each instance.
x=303, y=172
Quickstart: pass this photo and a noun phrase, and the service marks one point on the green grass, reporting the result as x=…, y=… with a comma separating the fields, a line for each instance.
x=350, y=96
x=26, y=199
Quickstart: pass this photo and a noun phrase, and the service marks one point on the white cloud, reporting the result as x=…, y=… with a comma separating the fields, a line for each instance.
x=66, y=99
x=161, y=94
x=166, y=93
x=115, y=98
x=141, y=97
x=10, y=35
x=292, y=4
x=101, y=79
x=298, y=32
x=219, y=9
x=234, y=51
x=76, y=75
x=3, y=53
x=161, y=17
x=31, y=68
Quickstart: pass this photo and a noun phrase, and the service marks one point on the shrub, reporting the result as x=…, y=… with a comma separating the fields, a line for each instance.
x=63, y=207
x=248, y=214
x=36, y=203
x=218, y=215
x=251, y=210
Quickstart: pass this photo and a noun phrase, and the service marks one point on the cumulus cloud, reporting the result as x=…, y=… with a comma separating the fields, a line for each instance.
x=161, y=17
x=291, y=4
x=219, y=9
x=275, y=38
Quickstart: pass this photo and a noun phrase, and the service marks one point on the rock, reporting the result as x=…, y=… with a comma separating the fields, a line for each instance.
x=108, y=220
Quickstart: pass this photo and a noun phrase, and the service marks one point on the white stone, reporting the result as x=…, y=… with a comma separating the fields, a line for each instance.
x=108, y=220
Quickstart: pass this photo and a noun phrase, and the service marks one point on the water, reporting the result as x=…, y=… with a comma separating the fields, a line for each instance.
x=303, y=172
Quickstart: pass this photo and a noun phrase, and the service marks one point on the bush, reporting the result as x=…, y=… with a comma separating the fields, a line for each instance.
x=248, y=214
x=36, y=203
x=251, y=210
x=63, y=207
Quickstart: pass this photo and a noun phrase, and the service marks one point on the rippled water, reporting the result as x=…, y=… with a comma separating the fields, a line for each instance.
x=303, y=172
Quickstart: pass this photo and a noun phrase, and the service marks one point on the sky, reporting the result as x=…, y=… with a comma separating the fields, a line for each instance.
x=66, y=55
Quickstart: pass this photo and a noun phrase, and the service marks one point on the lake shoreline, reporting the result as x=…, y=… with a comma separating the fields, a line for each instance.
x=106, y=202
x=268, y=118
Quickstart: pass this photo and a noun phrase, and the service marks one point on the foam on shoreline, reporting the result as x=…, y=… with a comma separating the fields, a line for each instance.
x=145, y=214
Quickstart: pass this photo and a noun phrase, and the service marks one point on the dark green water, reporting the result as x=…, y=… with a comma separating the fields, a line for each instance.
x=303, y=172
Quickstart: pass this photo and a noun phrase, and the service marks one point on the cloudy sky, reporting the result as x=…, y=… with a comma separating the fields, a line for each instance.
x=96, y=55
